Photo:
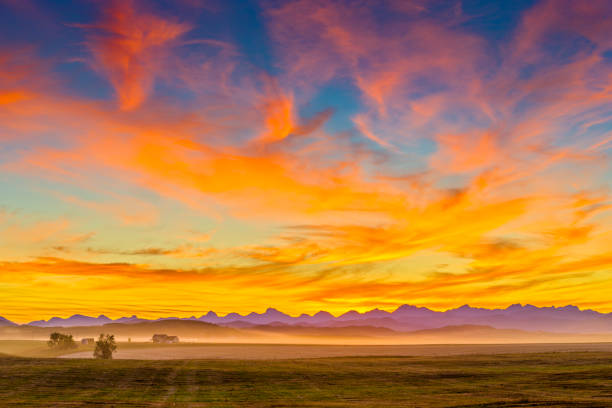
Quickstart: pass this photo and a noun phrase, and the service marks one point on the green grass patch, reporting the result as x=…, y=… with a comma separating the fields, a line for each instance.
x=523, y=380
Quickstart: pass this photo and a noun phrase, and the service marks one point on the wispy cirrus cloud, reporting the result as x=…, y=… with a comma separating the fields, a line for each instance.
x=132, y=47
x=489, y=152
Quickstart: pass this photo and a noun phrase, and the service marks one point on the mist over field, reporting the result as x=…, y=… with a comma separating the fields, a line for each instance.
x=405, y=325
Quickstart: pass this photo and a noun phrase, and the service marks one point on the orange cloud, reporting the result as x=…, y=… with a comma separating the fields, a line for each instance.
x=504, y=189
x=130, y=47
x=279, y=121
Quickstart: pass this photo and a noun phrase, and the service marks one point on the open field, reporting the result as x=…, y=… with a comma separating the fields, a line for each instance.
x=518, y=380
x=185, y=351
x=37, y=348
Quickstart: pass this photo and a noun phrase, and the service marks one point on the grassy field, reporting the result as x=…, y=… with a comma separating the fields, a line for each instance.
x=249, y=351
x=36, y=348
x=519, y=380
x=39, y=348
x=186, y=351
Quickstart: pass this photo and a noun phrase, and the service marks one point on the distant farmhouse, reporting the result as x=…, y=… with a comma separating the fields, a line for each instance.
x=164, y=338
x=87, y=341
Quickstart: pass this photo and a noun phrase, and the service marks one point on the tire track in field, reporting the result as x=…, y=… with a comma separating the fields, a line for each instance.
x=171, y=379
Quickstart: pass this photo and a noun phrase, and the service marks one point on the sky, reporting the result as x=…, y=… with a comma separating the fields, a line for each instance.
x=166, y=158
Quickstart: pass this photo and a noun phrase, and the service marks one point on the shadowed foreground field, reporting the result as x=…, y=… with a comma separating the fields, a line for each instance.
x=525, y=380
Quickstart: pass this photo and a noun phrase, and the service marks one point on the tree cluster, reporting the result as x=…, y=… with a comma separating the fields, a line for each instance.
x=105, y=347
x=61, y=341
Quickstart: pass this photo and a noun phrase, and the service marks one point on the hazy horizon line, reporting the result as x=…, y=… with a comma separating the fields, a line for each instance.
x=270, y=308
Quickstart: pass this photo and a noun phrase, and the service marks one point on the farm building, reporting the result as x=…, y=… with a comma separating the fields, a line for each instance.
x=87, y=341
x=164, y=338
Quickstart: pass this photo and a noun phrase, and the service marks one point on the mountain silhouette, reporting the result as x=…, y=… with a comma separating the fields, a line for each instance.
x=6, y=322
x=569, y=319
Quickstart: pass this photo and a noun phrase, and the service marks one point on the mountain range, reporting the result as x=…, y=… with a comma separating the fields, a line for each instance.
x=566, y=319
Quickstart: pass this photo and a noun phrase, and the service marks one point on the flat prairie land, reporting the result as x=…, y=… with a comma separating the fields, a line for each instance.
x=238, y=351
x=185, y=351
x=38, y=348
x=567, y=379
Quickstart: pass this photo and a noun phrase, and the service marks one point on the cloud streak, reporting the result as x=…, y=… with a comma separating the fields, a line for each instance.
x=131, y=48
x=373, y=144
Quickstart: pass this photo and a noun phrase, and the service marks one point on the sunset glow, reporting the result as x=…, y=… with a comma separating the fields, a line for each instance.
x=170, y=158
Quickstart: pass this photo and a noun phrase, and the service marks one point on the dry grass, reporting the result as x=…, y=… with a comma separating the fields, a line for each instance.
x=150, y=351
x=520, y=380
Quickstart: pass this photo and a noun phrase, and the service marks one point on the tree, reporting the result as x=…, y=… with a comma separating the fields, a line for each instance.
x=105, y=346
x=61, y=341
